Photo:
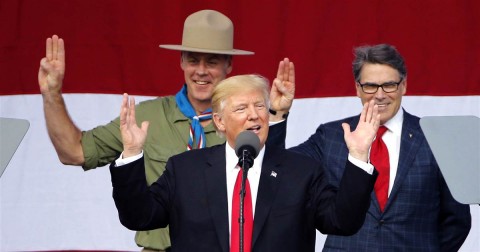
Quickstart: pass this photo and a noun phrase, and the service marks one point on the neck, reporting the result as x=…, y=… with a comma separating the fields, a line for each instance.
x=201, y=106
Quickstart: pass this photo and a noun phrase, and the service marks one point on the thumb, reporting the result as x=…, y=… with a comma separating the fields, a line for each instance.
x=346, y=130
x=145, y=125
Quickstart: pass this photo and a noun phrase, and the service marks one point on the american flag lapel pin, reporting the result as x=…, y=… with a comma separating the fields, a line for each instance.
x=273, y=174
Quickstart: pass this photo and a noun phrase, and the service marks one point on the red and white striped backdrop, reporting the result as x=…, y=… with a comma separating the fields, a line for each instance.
x=112, y=47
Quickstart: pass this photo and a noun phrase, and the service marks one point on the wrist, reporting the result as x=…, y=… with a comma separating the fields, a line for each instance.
x=280, y=115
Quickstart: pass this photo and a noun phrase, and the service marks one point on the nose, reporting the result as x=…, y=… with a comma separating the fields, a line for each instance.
x=202, y=68
x=380, y=94
x=252, y=113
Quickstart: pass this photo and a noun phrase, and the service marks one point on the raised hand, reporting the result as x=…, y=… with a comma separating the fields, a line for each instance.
x=360, y=140
x=52, y=67
x=133, y=137
x=283, y=87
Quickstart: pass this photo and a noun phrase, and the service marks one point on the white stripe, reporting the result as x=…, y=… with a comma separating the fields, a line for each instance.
x=48, y=206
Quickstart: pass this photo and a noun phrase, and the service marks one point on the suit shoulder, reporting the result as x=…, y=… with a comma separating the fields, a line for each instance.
x=337, y=124
x=198, y=154
x=292, y=156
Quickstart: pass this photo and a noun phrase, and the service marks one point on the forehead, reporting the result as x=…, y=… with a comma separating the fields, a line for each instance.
x=246, y=96
x=378, y=73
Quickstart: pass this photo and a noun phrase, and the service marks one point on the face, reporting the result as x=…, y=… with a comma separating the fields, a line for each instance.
x=388, y=103
x=202, y=72
x=244, y=111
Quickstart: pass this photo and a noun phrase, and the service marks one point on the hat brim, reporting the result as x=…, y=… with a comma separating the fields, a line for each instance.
x=202, y=50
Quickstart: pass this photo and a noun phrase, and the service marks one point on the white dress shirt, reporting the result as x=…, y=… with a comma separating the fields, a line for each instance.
x=392, y=139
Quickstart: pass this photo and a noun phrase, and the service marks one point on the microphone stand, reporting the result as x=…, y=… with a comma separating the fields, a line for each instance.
x=245, y=165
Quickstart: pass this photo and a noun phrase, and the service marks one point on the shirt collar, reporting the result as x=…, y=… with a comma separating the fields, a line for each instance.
x=232, y=159
x=395, y=123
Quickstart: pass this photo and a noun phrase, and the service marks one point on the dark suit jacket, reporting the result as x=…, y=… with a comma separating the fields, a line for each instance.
x=420, y=215
x=191, y=197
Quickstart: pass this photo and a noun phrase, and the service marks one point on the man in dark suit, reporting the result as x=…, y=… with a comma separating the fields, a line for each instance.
x=290, y=196
x=420, y=213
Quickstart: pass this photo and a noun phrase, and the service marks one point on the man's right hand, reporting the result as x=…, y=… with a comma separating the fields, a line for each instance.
x=133, y=137
x=52, y=67
x=65, y=136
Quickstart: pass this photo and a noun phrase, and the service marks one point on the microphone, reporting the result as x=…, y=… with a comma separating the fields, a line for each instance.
x=247, y=147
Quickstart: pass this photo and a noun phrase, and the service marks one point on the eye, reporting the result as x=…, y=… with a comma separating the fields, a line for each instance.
x=192, y=60
x=212, y=62
x=260, y=105
x=239, y=109
x=389, y=85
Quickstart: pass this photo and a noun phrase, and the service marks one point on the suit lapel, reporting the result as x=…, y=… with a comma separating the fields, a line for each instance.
x=270, y=178
x=411, y=140
x=215, y=178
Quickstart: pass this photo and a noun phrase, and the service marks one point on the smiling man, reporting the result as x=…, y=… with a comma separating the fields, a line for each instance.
x=411, y=208
x=287, y=195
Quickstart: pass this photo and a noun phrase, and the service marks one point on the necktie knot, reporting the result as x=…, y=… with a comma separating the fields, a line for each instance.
x=380, y=159
x=381, y=130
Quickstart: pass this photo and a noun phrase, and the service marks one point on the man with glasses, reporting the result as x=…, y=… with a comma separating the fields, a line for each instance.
x=415, y=211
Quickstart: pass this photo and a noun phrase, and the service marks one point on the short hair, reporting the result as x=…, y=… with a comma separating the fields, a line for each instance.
x=378, y=54
x=228, y=58
x=237, y=84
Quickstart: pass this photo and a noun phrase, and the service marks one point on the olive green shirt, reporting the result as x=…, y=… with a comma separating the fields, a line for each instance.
x=168, y=135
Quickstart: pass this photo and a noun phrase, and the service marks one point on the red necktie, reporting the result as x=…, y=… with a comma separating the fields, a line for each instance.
x=248, y=215
x=379, y=159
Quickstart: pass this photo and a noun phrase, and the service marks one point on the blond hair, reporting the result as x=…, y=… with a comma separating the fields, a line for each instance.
x=237, y=84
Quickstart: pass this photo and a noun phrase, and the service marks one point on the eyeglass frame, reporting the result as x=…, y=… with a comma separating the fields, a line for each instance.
x=380, y=86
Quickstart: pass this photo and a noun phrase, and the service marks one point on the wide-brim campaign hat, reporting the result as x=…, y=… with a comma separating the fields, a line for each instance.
x=208, y=31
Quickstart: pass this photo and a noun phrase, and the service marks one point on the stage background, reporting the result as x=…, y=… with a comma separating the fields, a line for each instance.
x=112, y=47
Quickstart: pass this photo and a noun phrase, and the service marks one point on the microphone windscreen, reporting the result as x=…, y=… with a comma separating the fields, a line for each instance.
x=247, y=140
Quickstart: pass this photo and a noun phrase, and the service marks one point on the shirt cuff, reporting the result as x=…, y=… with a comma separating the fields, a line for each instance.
x=123, y=161
x=277, y=122
x=367, y=167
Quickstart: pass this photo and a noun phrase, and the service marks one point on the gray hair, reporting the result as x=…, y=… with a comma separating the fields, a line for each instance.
x=378, y=54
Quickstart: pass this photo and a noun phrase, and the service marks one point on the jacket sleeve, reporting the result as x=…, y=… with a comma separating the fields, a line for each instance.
x=140, y=207
x=454, y=220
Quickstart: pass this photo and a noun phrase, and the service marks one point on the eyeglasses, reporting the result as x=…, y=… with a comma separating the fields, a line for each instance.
x=387, y=87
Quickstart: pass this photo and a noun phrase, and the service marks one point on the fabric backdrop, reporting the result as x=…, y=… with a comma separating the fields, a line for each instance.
x=112, y=47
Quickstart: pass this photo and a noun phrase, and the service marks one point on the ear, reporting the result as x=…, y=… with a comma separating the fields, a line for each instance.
x=182, y=66
x=229, y=68
x=219, y=122
x=404, y=91
x=359, y=89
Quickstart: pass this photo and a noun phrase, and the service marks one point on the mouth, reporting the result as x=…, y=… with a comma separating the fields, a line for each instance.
x=200, y=82
x=255, y=129
x=382, y=106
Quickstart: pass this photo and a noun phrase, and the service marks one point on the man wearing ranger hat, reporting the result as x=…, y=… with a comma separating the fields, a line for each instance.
x=177, y=123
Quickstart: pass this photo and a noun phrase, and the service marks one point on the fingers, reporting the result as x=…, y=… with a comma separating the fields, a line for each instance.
x=131, y=110
x=291, y=74
x=280, y=70
x=61, y=50
x=285, y=73
x=285, y=70
x=123, y=110
x=48, y=49
x=55, y=49
x=370, y=110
